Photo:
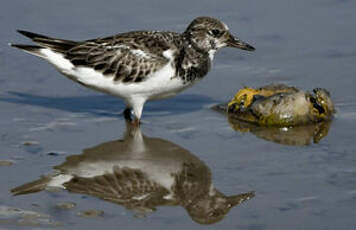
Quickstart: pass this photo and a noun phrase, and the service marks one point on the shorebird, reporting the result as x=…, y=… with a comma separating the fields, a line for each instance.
x=138, y=66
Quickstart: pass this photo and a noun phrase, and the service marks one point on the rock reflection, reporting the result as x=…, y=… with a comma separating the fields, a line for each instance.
x=298, y=135
x=141, y=173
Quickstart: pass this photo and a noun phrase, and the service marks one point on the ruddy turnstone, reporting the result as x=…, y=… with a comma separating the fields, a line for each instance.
x=140, y=65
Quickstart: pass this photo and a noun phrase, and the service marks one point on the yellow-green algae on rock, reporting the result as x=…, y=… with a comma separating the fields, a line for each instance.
x=281, y=105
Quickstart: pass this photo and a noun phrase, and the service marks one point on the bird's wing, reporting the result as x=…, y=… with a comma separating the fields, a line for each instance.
x=123, y=186
x=128, y=57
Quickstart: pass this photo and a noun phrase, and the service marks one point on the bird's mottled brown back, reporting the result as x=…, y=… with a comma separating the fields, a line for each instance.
x=127, y=57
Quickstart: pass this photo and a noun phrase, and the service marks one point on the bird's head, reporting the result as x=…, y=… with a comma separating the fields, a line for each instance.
x=212, y=208
x=209, y=34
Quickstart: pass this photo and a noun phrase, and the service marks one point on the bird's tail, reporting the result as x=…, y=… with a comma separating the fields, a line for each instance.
x=32, y=49
x=32, y=187
x=43, y=42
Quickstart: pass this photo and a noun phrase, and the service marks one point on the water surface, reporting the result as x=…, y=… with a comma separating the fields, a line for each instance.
x=46, y=118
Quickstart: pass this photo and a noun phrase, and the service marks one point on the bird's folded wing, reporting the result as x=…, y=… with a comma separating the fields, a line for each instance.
x=125, y=57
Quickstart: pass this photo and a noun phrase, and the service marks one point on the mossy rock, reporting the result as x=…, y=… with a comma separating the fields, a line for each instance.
x=280, y=106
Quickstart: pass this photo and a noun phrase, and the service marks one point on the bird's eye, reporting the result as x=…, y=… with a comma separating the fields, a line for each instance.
x=216, y=33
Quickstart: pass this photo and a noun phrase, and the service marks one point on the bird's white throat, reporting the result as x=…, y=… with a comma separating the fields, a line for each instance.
x=211, y=54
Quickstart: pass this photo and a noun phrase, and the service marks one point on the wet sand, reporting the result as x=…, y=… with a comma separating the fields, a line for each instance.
x=46, y=119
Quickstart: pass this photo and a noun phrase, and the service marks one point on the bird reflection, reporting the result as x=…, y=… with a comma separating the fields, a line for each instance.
x=141, y=173
x=298, y=135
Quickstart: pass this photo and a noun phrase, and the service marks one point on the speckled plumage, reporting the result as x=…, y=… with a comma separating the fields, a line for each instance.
x=127, y=57
x=140, y=65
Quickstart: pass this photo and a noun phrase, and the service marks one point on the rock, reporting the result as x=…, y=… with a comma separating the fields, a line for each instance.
x=280, y=106
x=6, y=163
x=66, y=205
x=91, y=213
x=29, y=143
x=18, y=216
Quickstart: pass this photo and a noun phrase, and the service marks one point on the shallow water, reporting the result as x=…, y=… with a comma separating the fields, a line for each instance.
x=46, y=118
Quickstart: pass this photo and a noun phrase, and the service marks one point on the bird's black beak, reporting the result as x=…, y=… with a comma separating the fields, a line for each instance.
x=237, y=43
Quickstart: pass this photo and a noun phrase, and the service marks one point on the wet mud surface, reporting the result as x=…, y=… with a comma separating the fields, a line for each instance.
x=76, y=165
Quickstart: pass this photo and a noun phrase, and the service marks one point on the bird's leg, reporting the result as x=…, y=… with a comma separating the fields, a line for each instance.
x=136, y=122
x=128, y=114
x=130, y=117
